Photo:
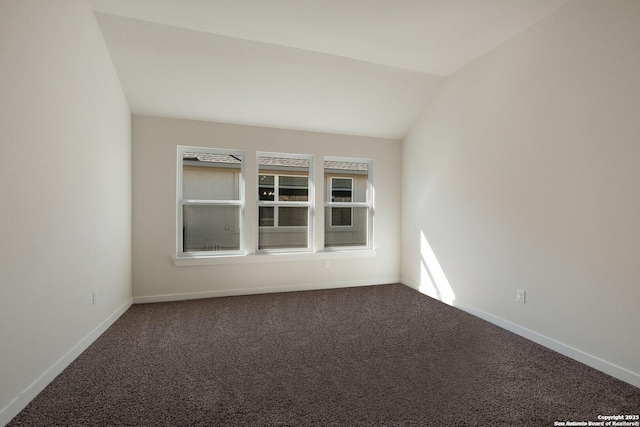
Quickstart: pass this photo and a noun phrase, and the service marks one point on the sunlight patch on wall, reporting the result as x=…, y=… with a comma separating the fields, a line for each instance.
x=433, y=281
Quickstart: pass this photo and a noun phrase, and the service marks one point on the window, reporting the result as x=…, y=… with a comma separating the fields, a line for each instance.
x=210, y=206
x=348, y=203
x=284, y=202
x=210, y=201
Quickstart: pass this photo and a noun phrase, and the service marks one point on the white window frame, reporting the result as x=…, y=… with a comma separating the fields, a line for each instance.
x=181, y=202
x=368, y=203
x=275, y=203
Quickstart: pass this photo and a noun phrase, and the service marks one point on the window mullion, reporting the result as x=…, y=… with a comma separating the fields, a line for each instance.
x=276, y=198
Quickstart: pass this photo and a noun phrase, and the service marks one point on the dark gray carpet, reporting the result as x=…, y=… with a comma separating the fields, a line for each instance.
x=369, y=356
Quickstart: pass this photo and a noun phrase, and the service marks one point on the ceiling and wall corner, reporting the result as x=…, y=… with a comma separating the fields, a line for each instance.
x=173, y=72
x=357, y=67
x=522, y=174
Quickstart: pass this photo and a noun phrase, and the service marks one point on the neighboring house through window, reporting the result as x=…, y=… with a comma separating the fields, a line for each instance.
x=284, y=202
x=210, y=201
x=341, y=191
x=348, y=203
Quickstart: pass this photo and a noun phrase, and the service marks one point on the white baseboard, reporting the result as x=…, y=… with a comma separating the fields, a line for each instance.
x=23, y=399
x=255, y=291
x=566, y=350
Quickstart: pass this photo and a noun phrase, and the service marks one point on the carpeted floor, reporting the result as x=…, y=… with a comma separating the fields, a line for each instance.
x=368, y=356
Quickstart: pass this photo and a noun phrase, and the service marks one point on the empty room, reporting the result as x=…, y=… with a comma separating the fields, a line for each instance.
x=329, y=213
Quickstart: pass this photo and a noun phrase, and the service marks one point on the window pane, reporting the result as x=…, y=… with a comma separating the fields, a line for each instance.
x=341, y=189
x=349, y=180
x=293, y=188
x=207, y=176
x=267, y=180
x=266, y=187
x=282, y=238
x=289, y=177
x=293, y=195
x=355, y=235
x=266, y=216
x=344, y=184
x=293, y=216
x=341, y=217
x=210, y=228
x=294, y=181
x=266, y=193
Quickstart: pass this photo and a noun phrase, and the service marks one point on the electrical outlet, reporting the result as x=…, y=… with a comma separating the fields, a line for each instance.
x=520, y=295
x=95, y=297
x=325, y=263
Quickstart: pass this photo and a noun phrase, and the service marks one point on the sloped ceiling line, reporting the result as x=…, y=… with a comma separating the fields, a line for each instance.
x=358, y=67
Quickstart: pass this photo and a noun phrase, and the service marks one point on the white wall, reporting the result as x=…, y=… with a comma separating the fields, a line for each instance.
x=155, y=277
x=65, y=186
x=523, y=173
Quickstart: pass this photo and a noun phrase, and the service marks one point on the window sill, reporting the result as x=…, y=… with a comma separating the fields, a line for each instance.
x=272, y=257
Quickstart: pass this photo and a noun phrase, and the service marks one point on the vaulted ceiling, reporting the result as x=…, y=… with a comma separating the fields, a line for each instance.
x=362, y=67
